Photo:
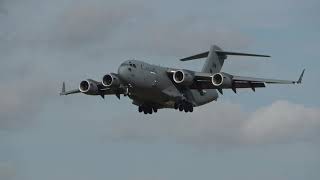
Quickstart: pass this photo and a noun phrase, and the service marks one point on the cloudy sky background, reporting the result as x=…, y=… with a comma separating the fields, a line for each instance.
x=271, y=134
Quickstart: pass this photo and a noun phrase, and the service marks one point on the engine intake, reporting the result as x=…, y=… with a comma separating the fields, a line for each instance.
x=222, y=80
x=183, y=77
x=110, y=80
x=89, y=87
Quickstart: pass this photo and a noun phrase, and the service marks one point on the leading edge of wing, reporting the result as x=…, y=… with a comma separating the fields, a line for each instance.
x=269, y=81
x=64, y=92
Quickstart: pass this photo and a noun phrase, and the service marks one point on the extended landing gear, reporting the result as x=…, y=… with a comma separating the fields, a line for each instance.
x=179, y=105
x=147, y=109
x=184, y=106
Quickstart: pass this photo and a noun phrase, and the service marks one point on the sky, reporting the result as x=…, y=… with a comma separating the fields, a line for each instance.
x=270, y=134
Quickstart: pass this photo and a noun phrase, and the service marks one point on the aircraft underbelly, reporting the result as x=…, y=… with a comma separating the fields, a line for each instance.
x=209, y=96
x=151, y=90
x=149, y=95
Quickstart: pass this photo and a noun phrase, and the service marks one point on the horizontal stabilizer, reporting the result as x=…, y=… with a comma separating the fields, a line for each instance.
x=221, y=53
x=240, y=54
x=198, y=56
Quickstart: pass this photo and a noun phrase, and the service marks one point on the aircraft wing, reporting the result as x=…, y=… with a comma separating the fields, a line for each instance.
x=204, y=81
x=64, y=92
x=261, y=80
x=268, y=81
x=102, y=91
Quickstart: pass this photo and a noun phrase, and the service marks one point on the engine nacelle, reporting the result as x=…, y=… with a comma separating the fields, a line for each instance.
x=222, y=80
x=110, y=80
x=183, y=77
x=89, y=87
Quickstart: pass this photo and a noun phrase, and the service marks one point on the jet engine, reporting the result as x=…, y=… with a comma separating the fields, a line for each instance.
x=89, y=87
x=110, y=80
x=183, y=77
x=222, y=80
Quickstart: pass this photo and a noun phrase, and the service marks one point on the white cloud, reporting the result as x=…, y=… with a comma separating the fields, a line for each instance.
x=224, y=124
x=282, y=122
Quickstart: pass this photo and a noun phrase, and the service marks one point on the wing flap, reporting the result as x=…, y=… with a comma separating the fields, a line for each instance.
x=249, y=85
x=241, y=85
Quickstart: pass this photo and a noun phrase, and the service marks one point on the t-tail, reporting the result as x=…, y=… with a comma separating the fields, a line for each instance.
x=216, y=57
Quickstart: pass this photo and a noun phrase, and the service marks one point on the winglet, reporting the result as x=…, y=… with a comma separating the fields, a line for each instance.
x=63, y=90
x=301, y=76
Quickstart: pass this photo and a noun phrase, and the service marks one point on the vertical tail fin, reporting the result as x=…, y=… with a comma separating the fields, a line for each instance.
x=214, y=60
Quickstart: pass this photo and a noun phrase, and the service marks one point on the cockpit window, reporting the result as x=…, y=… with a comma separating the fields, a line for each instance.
x=129, y=63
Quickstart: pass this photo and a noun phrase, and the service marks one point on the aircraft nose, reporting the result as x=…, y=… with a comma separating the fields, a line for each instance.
x=123, y=72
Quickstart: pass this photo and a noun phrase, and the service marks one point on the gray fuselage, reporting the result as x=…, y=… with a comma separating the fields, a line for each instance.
x=151, y=84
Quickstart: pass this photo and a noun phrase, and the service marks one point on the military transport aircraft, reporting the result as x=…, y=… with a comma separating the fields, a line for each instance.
x=153, y=87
